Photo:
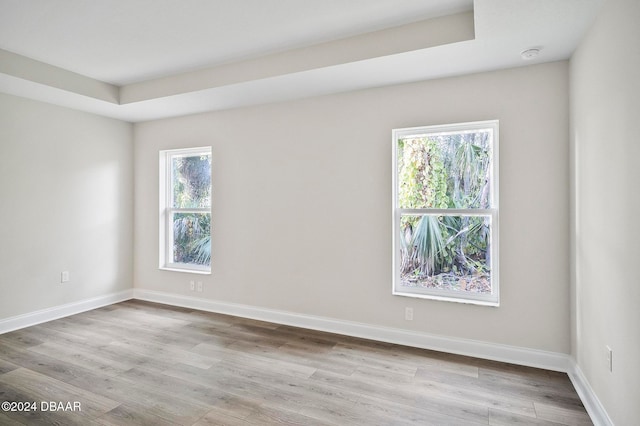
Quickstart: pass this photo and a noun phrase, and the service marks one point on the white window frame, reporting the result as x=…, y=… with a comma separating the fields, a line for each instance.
x=167, y=210
x=492, y=299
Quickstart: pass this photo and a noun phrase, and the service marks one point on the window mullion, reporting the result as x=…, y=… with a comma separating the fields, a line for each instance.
x=189, y=210
x=447, y=212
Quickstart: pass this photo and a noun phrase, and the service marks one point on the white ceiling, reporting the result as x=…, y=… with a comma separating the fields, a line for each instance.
x=126, y=43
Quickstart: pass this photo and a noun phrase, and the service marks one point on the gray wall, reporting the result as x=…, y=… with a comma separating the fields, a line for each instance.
x=67, y=203
x=302, y=204
x=605, y=104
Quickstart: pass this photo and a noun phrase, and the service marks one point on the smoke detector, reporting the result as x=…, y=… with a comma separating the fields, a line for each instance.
x=530, y=53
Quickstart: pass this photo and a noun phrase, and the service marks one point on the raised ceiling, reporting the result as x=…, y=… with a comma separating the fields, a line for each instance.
x=146, y=59
x=126, y=41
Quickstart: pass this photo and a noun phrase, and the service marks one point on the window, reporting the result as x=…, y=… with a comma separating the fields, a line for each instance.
x=185, y=210
x=445, y=212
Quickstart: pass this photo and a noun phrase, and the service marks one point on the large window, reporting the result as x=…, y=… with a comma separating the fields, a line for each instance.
x=445, y=214
x=185, y=209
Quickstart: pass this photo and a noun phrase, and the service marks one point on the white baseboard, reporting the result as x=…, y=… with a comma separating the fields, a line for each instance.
x=503, y=353
x=591, y=403
x=50, y=314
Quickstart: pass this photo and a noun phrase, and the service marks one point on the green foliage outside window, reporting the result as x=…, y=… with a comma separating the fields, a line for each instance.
x=191, y=178
x=447, y=171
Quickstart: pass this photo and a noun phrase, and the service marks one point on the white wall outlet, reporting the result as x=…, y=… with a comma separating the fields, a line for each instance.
x=408, y=314
x=609, y=358
x=64, y=276
x=192, y=285
x=200, y=286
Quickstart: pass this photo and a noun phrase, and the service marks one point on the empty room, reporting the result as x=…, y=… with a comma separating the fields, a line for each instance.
x=319, y=212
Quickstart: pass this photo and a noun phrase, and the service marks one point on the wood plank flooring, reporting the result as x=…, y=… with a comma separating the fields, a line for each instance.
x=139, y=363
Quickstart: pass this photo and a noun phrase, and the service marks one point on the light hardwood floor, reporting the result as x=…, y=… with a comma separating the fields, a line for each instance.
x=138, y=363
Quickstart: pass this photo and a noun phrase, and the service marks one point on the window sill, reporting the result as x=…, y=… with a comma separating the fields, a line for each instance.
x=188, y=271
x=448, y=299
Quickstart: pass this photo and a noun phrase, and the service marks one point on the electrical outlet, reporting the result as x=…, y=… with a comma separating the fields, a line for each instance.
x=192, y=285
x=609, y=358
x=64, y=276
x=408, y=314
x=200, y=286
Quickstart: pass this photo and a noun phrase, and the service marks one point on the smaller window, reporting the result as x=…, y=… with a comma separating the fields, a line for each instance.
x=185, y=209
